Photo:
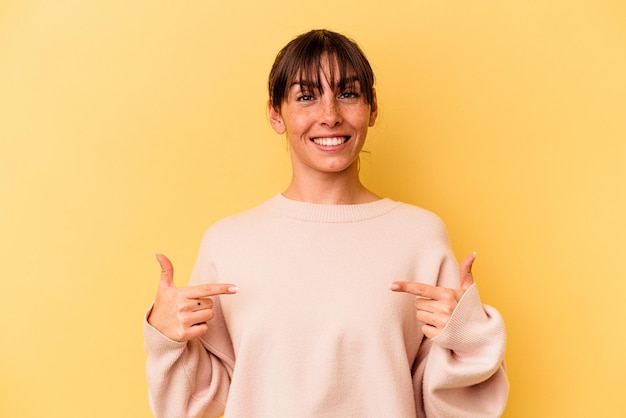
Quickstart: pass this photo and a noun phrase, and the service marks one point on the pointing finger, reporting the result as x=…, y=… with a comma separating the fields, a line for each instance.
x=465, y=271
x=208, y=290
x=167, y=271
x=417, y=289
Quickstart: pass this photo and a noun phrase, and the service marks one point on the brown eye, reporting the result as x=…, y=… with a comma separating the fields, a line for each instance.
x=349, y=95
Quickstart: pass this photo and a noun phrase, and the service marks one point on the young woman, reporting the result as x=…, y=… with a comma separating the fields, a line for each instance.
x=346, y=304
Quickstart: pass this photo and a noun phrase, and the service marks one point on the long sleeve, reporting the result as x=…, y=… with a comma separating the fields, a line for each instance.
x=192, y=379
x=461, y=371
x=314, y=328
x=184, y=379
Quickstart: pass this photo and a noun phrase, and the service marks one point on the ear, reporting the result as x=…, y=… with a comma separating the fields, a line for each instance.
x=276, y=119
x=373, y=109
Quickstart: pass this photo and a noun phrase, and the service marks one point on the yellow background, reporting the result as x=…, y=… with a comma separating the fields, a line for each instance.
x=128, y=127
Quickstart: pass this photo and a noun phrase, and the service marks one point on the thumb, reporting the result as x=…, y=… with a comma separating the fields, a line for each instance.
x=465, y=271
x=167, y=271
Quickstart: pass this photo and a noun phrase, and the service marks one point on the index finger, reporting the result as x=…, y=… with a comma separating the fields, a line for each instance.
x=415, y=288
x=212, y=289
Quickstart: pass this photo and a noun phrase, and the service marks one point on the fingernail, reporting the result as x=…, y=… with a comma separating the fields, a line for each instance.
x=394, y=286
x=233, y=289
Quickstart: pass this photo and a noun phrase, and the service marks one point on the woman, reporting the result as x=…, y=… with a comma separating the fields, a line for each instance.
x=312, y=327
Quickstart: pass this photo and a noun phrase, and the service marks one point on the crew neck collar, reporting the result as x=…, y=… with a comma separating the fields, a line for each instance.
x=329, y=213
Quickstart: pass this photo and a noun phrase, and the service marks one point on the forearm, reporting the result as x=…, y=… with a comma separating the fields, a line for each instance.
x=464, y=373
x=184, y=379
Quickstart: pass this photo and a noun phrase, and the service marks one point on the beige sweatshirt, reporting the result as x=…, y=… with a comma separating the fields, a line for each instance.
x=314, y=330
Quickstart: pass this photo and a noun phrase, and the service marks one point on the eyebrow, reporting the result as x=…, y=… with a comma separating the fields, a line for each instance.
x=346, y=81
x=305, y=83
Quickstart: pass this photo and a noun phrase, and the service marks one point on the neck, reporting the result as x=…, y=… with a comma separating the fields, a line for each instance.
x=329, y=188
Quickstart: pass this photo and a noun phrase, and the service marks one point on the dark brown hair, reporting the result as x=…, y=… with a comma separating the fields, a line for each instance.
x=300, y=60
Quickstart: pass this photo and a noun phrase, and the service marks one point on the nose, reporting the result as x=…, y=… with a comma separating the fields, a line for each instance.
x=330, y=114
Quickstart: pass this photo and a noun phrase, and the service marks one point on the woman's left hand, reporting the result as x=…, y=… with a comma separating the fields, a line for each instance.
x=435, y=304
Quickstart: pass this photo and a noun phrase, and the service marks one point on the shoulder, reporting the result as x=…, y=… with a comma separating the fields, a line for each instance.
x=418, y=213
x=241, y=222
x=418, y=217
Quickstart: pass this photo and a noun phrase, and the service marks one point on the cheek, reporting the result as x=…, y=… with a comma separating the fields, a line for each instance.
x=362, y=118
x=363, y=123
x=296, y=126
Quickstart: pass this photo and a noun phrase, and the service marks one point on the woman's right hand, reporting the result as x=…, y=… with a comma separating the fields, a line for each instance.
x=181, y=314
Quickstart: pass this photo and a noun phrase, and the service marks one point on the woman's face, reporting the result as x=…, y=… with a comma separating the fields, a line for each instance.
x=325, y=127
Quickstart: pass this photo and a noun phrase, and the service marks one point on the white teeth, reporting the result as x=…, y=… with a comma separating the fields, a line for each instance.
x=329, y=142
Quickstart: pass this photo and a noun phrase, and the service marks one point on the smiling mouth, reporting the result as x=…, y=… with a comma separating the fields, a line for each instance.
x=330, y=142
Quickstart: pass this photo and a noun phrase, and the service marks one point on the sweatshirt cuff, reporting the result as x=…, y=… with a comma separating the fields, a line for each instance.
x=155, y=342
x=472, y=326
